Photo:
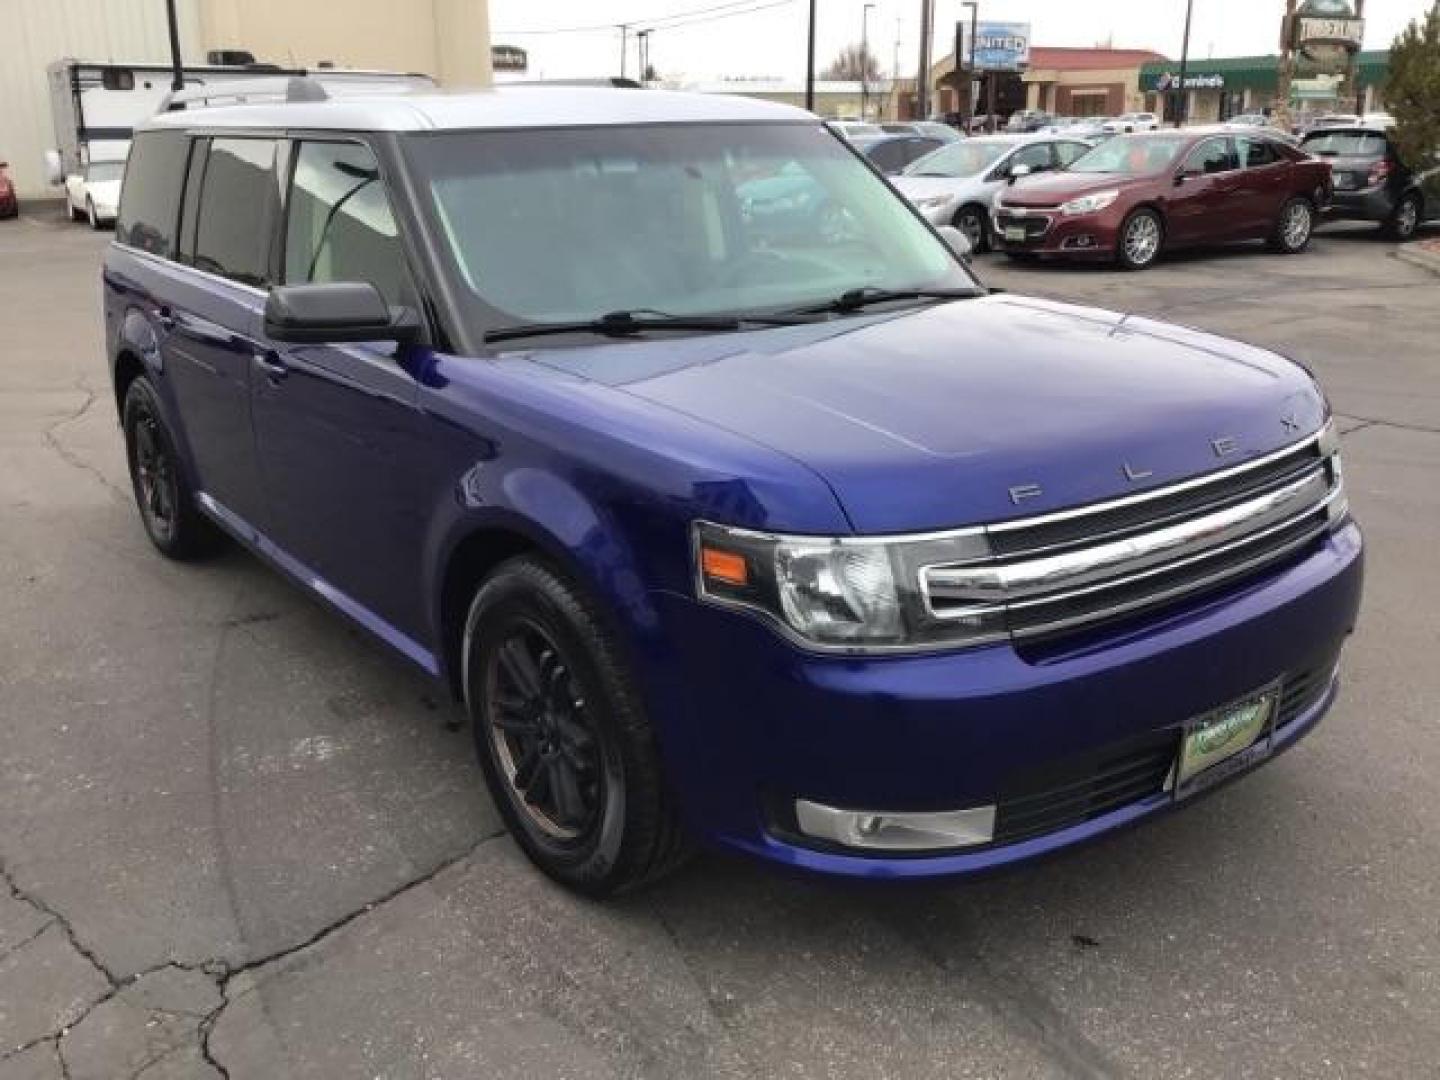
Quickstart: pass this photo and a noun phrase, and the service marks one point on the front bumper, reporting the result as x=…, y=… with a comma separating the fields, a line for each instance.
x=750, y=724
x=1049, y=232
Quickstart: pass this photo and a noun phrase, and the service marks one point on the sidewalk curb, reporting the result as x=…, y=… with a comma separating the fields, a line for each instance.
x=1416, y=255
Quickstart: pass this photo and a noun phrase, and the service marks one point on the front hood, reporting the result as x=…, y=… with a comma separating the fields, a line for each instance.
x=928, y=419
x=1052, y=189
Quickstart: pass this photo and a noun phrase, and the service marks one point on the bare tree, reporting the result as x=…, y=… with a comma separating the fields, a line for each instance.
x=855, y=62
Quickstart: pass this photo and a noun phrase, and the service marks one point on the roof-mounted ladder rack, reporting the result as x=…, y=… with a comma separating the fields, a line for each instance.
x=297, y=88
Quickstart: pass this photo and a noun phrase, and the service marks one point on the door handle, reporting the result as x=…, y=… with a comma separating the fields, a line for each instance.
x=275, y=369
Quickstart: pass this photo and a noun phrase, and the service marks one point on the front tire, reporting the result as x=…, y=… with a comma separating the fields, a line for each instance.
x=1141, y=237
x=162, y=494
x=1294, y=227
x=562, y=736
x=970, y=220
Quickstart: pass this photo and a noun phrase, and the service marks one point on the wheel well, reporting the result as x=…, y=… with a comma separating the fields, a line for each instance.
x=1154, y=209
x=471, y=563
x=128, y=368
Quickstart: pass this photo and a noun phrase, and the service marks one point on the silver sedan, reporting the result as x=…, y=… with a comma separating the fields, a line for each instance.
x=957, y=184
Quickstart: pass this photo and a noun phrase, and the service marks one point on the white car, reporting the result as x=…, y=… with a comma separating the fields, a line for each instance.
x=956, y=184
x=94, y=194
x=1132, y=121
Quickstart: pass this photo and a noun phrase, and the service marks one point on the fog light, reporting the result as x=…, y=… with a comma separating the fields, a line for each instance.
x=875, y=831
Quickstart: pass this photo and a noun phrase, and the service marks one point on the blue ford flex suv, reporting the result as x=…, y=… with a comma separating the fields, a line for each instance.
x=788, y=537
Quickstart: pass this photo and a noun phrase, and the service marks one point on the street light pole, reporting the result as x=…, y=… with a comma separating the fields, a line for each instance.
x=865, y=61
x=1181, y=109
x=970, y=89
x=922, y=77
x=810, y=62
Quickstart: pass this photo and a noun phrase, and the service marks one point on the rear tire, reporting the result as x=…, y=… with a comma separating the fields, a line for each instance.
x=1294, y=227
x=162, y=494
x=562, y=736
x=1405, y=221
x=1141, y=238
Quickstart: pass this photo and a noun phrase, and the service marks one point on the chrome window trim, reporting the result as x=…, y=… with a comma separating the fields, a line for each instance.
x=173, y=264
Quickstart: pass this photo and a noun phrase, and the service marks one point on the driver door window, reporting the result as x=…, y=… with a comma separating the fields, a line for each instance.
x=1037, y=157
x=339, y=225
x=1210, y=157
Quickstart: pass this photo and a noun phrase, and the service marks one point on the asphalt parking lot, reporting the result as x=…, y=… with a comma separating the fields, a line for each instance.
x=238, y=839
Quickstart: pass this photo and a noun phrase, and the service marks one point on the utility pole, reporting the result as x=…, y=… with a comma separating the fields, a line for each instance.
x=1280, y=111
x=1182, y=105
x=810, y=62
x=922, y=78
x=177, y=75
x=624, y=42
x=1352, y=70
x=865, y=61
x=642, y=46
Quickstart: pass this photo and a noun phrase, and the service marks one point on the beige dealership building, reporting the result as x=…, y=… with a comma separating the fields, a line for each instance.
x=449, y=39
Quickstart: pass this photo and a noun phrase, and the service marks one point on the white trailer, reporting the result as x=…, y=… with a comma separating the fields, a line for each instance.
x=95, y=105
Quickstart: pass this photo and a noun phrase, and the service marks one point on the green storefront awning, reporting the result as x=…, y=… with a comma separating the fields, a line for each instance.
x=1237, y=73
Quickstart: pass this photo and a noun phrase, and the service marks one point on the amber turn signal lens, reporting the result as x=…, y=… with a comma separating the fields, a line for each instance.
x=724, y=566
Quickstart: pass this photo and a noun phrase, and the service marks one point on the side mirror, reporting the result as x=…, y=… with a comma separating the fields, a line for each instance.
x=339, y=312
x=54, y=168
x=957, y=241
x=1181, y=177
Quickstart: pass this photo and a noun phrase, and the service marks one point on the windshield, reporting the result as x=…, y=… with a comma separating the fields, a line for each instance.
x=1345, y=144
x=968, y=158
x=1132, y=155
x=718, y=219
x=104, y=170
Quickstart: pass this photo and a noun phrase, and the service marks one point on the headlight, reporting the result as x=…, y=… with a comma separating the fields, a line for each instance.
x=932, y=202
x=1088, y=204
x=842, y=593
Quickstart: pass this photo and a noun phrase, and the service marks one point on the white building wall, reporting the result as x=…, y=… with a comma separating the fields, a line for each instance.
x=38, y=32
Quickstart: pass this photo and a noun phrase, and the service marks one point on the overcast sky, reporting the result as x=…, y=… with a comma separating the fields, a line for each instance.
x=749, y=40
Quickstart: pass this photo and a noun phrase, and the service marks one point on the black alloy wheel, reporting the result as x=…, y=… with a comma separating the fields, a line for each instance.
x=562, y=735
x=162, y=495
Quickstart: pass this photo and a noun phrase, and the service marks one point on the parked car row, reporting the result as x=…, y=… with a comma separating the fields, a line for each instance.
x=1131, y=197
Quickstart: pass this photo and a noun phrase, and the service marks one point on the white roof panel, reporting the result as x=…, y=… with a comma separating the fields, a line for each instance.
x=510, y=106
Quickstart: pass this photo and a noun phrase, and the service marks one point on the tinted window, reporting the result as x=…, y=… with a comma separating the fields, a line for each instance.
x=1037, y=157
x=150, y=195
x=1370, y=144
x=1211, y=156
x=237, y=204
x=340, y=227
x=889, y=156
x=194, y=177
x=1255, y=153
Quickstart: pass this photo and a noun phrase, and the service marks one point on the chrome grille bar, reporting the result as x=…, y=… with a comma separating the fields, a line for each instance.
x=1175, y=540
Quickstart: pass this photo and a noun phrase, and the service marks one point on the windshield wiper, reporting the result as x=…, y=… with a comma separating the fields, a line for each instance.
x=855, y=299
x=624, y=323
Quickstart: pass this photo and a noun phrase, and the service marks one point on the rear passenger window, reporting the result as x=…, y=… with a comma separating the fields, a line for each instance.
x=1255, y=153
x=150, y=195
x=237, y=208
x=340, y=227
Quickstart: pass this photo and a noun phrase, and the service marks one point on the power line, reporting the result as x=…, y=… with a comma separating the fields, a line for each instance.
x=610, y=26
x=725, y=15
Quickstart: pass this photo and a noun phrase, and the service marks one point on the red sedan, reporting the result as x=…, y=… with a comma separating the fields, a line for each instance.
x=1134, y=196
x=9, y=204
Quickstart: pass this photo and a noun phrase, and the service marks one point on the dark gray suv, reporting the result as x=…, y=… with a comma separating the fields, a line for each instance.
x=1373, y=184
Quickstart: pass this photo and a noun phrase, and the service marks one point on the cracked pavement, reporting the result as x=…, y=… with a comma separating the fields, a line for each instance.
x=239, y=839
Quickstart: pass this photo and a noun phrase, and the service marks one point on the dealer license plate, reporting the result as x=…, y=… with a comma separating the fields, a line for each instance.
x=1225, y=741
x=1014, y=232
